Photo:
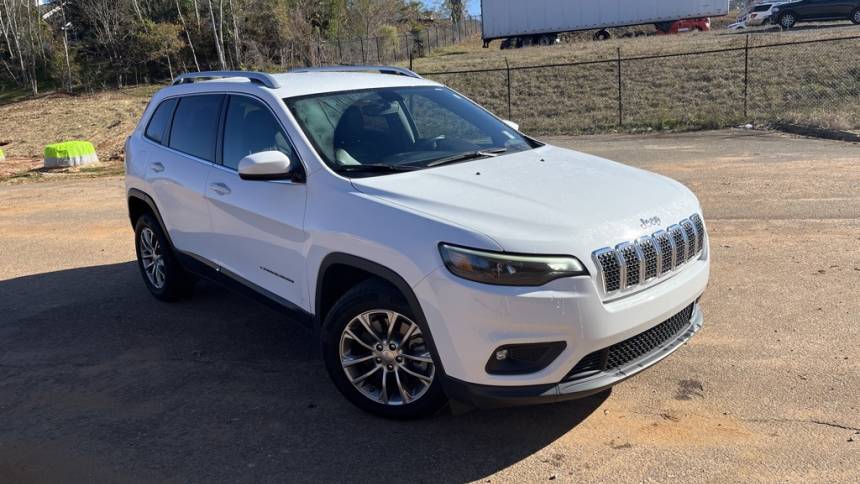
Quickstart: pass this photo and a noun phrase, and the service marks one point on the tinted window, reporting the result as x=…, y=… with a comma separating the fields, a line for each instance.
x=160, y=119
x=195, y=126
x=250, y=128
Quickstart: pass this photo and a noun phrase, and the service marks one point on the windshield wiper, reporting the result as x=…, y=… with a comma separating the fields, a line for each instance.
x=470, y=155
x=375, y=168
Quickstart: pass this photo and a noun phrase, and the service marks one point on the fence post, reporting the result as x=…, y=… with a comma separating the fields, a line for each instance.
x=410, y=61
x=339, y=52
x=363, y=56
x=620, y=99
x=746, y=78
x=508, y=69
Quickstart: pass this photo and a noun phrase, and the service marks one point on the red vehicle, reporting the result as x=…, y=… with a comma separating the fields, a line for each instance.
x=680, y=26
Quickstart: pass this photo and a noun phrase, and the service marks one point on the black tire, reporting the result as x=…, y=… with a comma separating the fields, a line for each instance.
x=787, y=20
x=855, y=17
x=374, y=295
x=176, y=283
x=602, y=35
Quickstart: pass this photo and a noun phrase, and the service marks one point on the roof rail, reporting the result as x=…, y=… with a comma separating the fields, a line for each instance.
x=400, y=71
x=262, y=78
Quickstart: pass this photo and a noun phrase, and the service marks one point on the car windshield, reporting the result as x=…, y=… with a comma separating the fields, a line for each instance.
x=379, y=131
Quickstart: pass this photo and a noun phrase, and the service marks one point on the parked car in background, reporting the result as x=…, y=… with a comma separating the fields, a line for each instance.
x=761, y=14
x=681, y=26
x=790, y=13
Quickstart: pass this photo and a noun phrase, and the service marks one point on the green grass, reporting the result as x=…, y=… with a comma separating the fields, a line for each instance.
x=815, y=84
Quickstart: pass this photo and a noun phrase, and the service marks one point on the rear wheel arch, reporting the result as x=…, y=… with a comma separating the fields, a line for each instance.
x=139, y=203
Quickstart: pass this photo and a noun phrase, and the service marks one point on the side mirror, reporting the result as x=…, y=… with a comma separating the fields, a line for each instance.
x=513, y=125
x=269, y=165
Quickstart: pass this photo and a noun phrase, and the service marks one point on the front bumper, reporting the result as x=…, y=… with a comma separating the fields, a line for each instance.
x=469, y=321
x=490, y=396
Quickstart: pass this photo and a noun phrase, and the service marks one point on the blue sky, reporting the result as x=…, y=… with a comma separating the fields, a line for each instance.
x=474, y=6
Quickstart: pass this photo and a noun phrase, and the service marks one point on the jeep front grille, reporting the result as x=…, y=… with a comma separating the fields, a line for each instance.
x=632, y=264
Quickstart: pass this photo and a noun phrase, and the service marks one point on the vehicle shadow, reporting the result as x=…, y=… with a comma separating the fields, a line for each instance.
x=218, y=388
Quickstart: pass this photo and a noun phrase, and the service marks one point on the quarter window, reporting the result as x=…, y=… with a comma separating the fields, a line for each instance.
x=195, y=126
x=250, y=128
x=159, y=121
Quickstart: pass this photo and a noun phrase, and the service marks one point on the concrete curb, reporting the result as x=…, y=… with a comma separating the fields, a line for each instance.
x=814, y=132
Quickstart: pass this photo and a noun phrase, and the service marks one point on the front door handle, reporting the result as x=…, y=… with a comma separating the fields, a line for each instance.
x=220, y=188
x=157, y=167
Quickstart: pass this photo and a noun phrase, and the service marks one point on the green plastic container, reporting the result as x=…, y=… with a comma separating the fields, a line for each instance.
x=70, y=153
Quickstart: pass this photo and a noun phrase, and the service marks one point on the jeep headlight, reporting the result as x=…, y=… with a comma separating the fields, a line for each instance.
x=501, y=269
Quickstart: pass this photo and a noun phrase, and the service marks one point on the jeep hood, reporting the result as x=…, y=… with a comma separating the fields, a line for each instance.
x=548, y=200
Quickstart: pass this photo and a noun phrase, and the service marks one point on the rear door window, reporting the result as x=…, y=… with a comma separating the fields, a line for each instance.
x=159, y=121
x=195, y=125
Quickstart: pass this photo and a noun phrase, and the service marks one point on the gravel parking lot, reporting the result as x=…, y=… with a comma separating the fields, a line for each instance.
x=100, y=382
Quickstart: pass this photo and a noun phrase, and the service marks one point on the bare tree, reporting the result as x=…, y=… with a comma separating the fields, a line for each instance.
x=219, y=48
x=187, y=34
x=237, y=42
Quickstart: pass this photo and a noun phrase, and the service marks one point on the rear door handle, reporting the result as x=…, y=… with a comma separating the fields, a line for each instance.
x=157, y=167
x=220, y=188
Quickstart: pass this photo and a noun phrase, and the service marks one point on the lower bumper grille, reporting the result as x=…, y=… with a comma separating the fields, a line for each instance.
x=632, y=349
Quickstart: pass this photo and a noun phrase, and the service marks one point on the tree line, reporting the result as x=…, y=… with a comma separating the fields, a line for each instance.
x=94, y=44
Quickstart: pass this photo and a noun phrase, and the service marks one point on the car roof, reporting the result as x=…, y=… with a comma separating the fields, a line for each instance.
x=296, y=84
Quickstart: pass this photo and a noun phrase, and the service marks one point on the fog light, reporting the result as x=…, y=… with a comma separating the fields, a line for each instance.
x=523, y=358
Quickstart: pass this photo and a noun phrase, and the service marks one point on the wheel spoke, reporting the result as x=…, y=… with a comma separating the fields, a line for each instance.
x=403, y=393
x=412, y=327
x=347, y=362
x=358, y=340
x=391, y=316
x=356, y=381
x=383, y=393
x=424, y=378
x=425, y=358
x=159, y=274
x=365, y=321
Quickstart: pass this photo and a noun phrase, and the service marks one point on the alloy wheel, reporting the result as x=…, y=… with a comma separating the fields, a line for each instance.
x=152, y=258
x=386, y=358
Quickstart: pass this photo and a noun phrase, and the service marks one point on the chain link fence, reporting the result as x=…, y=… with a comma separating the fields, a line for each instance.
x=814, y=82
x=398, y=47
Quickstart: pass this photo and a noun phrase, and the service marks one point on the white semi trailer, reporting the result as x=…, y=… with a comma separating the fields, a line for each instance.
x=540, y=21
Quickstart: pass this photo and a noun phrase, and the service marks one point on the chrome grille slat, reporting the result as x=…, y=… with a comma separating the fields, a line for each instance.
x=692, y=238
x=632, y=264
x=667, y=251
x=700, y=231
x=610, y=268
x=680, y=241
x=650, y=259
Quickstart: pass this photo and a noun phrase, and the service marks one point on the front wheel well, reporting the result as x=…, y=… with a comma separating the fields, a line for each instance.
x=337, y=279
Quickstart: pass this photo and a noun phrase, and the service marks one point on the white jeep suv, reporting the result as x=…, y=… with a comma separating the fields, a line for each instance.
x=440, y=254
